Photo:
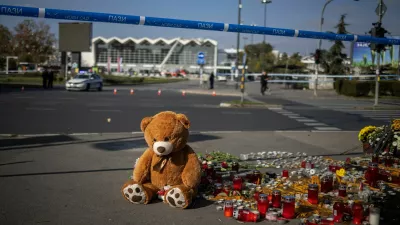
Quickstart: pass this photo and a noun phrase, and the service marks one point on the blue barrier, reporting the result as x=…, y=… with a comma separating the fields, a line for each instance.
x=184, y=24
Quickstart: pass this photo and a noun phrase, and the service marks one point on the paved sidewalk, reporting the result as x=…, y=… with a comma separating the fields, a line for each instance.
x=77, y=179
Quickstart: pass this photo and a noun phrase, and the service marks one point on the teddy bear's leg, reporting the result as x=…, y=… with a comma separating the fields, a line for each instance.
x=138, y=193
x=179, y=196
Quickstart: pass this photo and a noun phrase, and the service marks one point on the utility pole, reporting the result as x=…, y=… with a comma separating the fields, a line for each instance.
x=238, y=41
x=265, y=2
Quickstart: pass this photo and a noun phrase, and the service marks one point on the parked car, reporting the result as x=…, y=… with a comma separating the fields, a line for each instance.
x=85, y=82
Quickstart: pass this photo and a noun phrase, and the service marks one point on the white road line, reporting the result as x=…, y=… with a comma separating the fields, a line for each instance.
x=237, y=113
x=297, y=117
x=327, y=128
x=276, y=109
x=290, y=114
x=40, y=109
x=315, y=124
x=105, y=110
x=307, y=120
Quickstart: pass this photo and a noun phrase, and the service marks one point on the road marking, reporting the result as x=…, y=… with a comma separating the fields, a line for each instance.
x=315, y=124
x=307, y=120
x=237, y=113
x=327, y=128
x=297, y=117
x=290, y=114
x=276, y=109
x=40, y=109
x=105, y=110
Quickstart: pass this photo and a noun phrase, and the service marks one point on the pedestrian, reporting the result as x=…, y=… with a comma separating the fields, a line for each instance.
x=264, y=82
x=45, y=75
x=211, y=80
x=51, y=79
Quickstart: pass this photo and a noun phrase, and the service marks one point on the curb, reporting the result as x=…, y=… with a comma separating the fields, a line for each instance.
x=255, y=106
x=210, y=93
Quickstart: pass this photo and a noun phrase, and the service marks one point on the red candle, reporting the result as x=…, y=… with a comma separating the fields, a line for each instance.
x=285, y=173
x=204, y=166
x=235, y=167
x=332, y=168
x=228, y=209
x=218, y=178
x=338, y=210
x=256, y=195
x=244, y=215
x=217, y=189
x=262, y=205
x=388, y=161
x=326, y=184
x=357, y=213
x=375, y=158
x=210, y=171
x=303, y=164
x=237, y=183
x=276, y=199
x=288, y=207
x=372, y=174
x=256, y=177
x=342, y=190
x=313, y=194
x=253, y=216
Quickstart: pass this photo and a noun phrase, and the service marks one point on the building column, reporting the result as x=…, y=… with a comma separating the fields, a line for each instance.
x=215, y=59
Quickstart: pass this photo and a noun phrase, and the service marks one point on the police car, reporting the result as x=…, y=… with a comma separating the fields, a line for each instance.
x=85, y=82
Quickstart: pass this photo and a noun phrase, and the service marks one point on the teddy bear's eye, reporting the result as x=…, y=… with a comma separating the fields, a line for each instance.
x=154, y=140
x=166, y=139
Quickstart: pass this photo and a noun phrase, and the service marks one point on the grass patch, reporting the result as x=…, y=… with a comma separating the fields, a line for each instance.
x=245, y=102
x=108, y=80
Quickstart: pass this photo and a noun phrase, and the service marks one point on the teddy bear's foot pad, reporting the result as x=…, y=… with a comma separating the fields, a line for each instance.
x=175, y=198
x=135, y=193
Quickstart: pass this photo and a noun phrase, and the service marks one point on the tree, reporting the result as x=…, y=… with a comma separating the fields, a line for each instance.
x=335, y=55
x=34, y=42
x=6, y=49
x=260, y=57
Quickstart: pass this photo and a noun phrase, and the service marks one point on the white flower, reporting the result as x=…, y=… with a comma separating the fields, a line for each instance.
x=394, y=143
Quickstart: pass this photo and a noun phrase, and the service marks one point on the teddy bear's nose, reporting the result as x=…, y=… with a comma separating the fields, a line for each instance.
x=161, y=149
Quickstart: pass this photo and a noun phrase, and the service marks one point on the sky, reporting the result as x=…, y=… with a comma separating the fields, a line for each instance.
x=291, y=14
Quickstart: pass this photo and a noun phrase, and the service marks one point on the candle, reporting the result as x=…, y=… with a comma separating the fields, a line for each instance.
x=276, y=199
x=326, y=184
x=332, y=168
x=256, y=177
x=342, y=190
x=244, y=215
x=253, y=216
x=262, y=205
x=375, y=158
x=288, y=207
x=228, y=209
x=303, y=164
x=374, y=215
x=217, y=189
x=237, y=183
x=313, y=194
x=285, y=173
x=338, y=210
x=218, y=177
x=210, y=171
x=235, y=167
x=372, y=174
x=357, y=210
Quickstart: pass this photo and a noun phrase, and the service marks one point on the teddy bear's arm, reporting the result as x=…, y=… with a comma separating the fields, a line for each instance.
x=142, y=168
x=192, y=172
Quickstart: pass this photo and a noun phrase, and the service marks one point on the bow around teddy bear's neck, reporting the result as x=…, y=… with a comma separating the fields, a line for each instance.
x=162, y=161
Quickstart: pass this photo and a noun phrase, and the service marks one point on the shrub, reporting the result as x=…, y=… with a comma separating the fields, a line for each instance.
x=354, y=88
x=385, y=87
x=396, y=88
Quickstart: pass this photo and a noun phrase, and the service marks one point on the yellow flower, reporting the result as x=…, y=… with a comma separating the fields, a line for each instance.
x=365, y=132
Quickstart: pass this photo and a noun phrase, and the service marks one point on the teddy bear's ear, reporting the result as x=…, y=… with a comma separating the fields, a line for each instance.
x=184, y=120
x=145, y=122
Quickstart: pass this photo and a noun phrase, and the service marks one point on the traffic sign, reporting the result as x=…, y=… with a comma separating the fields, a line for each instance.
x=74, y=65
x=383, y=10
x=200, y=55
x=201, y=61
x=244, y=59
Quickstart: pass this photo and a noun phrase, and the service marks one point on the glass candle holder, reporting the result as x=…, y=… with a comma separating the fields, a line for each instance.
x=237, y=183
x=313, y=194
x=342, y=190
x=357, y=211
x=217, y=189
x=388, y=161
x=289, y=207
x=256, y=195
x=326, y=184
x=332, y=168
x=375, y=158
x=244, y=157
x=256, y=177
x=228, y=209
x=227, y=189
x=373, y=174
x=253, y=216
x=204, y=166
x=374, y=215
x=235, y=167
x=276, y=199
x=303, y=164
x=262, y=205
x=285, y=173
x=338, y=210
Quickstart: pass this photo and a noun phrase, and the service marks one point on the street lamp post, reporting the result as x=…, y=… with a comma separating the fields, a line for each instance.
x=265, y=2
x=238, y=42
x=252, y=35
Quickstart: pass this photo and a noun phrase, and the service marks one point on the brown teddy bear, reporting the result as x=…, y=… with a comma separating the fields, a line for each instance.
x=168, y=163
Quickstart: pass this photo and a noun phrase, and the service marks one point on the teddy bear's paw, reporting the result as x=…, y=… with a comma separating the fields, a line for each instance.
x=175, y=198
x=135, y=193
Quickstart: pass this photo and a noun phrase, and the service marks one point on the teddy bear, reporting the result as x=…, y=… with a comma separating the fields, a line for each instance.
x=167, y=164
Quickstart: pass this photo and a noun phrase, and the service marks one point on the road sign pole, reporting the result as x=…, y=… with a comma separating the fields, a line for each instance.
x=243, y=77
x=377, y=78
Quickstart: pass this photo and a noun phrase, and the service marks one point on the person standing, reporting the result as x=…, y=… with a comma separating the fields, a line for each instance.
x=212, y=80
x=45, y=75
x=264, y=82
x=51, y=79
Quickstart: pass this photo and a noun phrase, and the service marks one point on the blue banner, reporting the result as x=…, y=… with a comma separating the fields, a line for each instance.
x=184, y=24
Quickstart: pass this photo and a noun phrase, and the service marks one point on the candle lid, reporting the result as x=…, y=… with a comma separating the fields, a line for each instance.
x=218, y=185
x=276, y=192
x=373, y=164
x=289, y=198
x=313, y=186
